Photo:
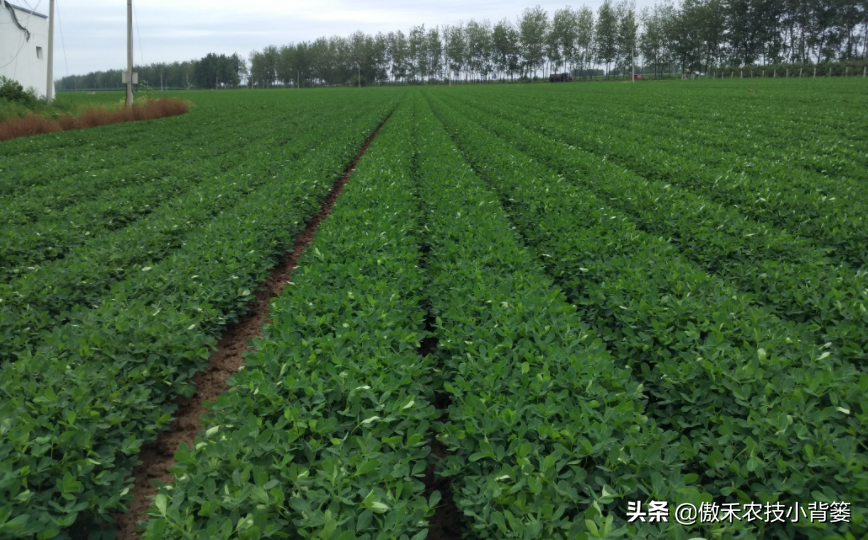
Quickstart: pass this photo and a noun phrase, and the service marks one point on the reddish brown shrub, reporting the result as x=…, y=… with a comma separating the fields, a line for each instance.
x=36, y=125
x=67, y=122
x=29, y=125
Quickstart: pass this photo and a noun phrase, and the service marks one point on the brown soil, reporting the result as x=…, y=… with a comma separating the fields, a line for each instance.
x=224, y=362
x=446, y=523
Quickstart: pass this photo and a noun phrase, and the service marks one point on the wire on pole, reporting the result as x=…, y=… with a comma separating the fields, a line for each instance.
x=129, y=101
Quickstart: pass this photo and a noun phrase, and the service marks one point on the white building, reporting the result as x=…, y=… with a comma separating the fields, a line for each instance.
x=24, y=46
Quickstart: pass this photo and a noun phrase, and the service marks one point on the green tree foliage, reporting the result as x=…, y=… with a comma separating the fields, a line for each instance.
x=12, y=91
x=655, y=44
x=400, y=51
x=215, y=71
x=479, y=47
x=627, y=31
x=565, y=28
x=505, y=41
x=229, y=70
x=533, y=25
x=607, y=34
x=455, y=49
x=585, y=38
x=696, y=35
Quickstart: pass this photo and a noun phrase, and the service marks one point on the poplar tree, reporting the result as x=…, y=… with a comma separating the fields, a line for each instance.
x=456, y=48
x=607, y=35
x=505, y=41
x=695, y=34
x=585, y=35
x=533, y=26
x=562, y=38
x=628, y=27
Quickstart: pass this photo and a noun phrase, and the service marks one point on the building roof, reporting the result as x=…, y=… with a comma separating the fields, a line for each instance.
x=25, y=10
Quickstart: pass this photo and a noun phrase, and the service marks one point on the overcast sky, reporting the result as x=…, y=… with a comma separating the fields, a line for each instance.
x=94, y=35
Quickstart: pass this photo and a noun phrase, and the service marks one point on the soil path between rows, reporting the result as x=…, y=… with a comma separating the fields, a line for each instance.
x=225, y=361
x=447, y=522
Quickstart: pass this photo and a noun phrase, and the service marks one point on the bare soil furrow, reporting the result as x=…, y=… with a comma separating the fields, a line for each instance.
x=447, y=521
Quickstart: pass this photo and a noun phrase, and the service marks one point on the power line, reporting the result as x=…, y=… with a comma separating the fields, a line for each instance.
x=138, y=34
x=32, y=9
x=16, y=22
x=65, y=61
x=16, y=55
x=26, y=29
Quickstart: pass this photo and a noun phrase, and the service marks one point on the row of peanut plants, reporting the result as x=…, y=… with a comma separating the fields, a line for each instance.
x=823, y=209
x=49, y=295
x=77, y=410
x=26, y=243
x=30, y=162
x=547, y=431
x=803, y=147
x=787, y=274
x=830, y=154
x=329, y=412
x=322, y=434
x=805, y=111
x=547, y=436
x=30, y=205
x=746, y=123
x=765, y=414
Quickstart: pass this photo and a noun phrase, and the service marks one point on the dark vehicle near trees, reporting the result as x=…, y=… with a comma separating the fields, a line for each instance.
x=561, y=77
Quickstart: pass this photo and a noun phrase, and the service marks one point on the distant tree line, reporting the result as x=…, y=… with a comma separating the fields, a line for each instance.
x=692, y=35
x=212, y=71
x=701, y=35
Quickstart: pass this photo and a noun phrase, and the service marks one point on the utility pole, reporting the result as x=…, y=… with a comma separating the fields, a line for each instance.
x=49, y=88
x=129, y=53
x=632, y=65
